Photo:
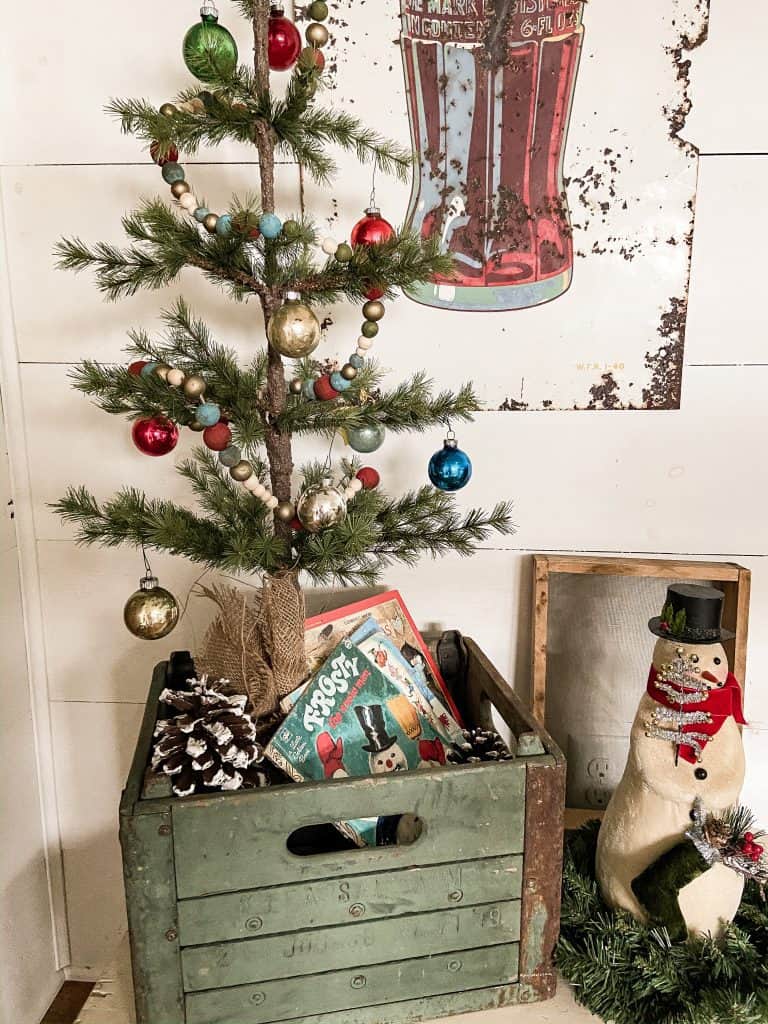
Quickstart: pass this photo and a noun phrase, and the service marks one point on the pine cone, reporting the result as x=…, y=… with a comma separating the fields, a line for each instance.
x=479, y=745
x=717, y=833
x=211, y=744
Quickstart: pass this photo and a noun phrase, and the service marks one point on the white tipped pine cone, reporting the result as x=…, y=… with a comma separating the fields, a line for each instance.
x=210, y=744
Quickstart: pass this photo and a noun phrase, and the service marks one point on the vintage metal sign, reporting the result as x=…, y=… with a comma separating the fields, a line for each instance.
x=551, y=160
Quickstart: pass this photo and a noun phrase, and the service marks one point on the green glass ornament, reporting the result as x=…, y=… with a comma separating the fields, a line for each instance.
x=208, y=46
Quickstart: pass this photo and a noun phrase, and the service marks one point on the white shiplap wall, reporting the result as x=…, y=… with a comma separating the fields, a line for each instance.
x=691, y=482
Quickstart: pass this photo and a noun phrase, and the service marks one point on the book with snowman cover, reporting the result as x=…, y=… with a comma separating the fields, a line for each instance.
x=352, y=720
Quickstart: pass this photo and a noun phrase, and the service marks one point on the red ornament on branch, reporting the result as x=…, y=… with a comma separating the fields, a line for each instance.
x=368, y=477
x=283, y=41
x=156, y=435
x=371, y=229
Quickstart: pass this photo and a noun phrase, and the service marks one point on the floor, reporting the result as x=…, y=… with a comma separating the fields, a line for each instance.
x=111, y=1002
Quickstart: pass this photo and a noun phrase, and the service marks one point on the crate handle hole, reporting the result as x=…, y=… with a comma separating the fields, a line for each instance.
x=324, y=837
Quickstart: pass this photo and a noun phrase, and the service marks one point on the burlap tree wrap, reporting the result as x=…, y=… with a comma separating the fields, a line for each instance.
x=257, y=641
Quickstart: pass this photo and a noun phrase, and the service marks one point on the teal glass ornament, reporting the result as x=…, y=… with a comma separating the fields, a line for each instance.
x=230, y=456
x=172, y=172
x=450, y=468
x=366, y=439
x=339, y=383
x=357, y=361
x=270, y=225
x=224, y=225
x=308, y=389
x=209, y=51
x=148, y=369
x=208, y=413
x=201, y=213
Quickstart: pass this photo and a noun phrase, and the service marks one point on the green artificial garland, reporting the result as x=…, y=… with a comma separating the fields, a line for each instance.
x=629, y=973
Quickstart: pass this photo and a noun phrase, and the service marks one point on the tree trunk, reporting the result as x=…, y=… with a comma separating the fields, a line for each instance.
x=278, y=444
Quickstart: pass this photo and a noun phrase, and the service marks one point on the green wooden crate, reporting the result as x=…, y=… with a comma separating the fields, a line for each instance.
x=230, y=927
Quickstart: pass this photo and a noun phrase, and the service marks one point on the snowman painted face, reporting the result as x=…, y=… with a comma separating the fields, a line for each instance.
x=709, y=661
x=390, y=760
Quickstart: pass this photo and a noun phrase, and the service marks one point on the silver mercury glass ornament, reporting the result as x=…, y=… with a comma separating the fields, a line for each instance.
x=321, y=506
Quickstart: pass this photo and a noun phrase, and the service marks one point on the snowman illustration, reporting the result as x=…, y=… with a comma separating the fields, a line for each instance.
x=686, y=758
x=384, y=752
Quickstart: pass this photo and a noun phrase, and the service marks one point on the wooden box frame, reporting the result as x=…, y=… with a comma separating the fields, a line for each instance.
x=733, y=579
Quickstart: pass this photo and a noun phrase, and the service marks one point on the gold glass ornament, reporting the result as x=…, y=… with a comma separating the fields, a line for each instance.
x=194, y=386
x=285, y=511
x=151, y=612
x=241, y=471
x=316, y=34
x=321, y=506
x=294, y=330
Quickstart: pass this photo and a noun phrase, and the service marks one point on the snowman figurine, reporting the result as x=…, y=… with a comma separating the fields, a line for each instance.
x=384, y=752
x=686, y=758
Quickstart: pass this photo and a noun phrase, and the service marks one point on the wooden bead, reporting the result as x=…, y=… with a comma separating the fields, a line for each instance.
x=271, y=502
x=364, y=343
x=175, y=378
x=188, y=201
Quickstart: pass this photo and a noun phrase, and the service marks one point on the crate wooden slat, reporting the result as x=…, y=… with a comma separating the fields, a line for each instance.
x=260, y=935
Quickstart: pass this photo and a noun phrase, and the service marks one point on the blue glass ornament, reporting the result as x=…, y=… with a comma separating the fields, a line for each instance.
x=450, y=468
x=270, y=225
x=308, y=389
x=230, y=456
x=201, y=213
x=224, y=224
x=172, y=172
x=339, y=383
x=357, y=361
x=208, y=413
x=148, y=369
x=366, y=439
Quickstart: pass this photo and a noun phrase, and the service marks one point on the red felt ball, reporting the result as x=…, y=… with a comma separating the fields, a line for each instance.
x=137, y=367
x=218, y=437
x=324, y=390
x=155, y=435
x=296, y=524
x=171, y=157
x=374, y=293
x=371, y=229
x=368, y=477
x=319, y=58
x=283, y=43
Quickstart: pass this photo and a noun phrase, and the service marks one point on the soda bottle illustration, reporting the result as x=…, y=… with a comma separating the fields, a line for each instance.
x=490, y=85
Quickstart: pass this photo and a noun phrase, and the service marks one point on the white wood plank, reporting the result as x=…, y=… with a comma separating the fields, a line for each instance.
x=729, y=81
x=727, y=317
x=45, y=203
x=7, y=531
x=59, y=71
x=93, y=746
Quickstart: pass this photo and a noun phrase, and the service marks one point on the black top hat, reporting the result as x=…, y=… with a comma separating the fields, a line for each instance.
x=691, y=614
x=371, y=718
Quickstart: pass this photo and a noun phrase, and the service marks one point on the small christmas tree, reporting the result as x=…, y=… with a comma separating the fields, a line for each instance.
x=243, y=477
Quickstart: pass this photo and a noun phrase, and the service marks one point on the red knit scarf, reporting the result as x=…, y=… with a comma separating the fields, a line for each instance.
x=720, y=703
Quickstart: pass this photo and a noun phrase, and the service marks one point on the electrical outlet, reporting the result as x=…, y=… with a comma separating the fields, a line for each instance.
x=595, y=765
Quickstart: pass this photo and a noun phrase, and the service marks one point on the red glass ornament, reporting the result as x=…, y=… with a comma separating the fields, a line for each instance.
x=137, y=367
x=368, y=477
x=374, y=293
x=371, y=229
x=283, y=41
x=324, y=390
x=218, y=437
x=171, y=158
x=296, y=524
x=156, y=435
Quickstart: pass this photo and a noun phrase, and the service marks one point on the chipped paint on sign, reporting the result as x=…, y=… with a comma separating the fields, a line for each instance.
x=622, y=228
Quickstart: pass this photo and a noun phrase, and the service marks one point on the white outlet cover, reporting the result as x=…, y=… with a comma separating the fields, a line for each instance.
x=595, y=765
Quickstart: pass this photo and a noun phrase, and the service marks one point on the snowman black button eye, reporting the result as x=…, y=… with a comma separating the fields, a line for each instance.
x=701, y=773
x=695, y=659
x=717, y=661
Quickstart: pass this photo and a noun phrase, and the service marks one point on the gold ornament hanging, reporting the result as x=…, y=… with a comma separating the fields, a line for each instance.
x=294, y=330
x=321, y=506
x=151, y=612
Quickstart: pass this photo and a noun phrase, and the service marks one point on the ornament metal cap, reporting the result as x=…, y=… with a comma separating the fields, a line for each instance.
x=209, y=10
x=373, y=211
x=276, y=10
x=292, y=296
x=450, y=440
x=148, y=582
